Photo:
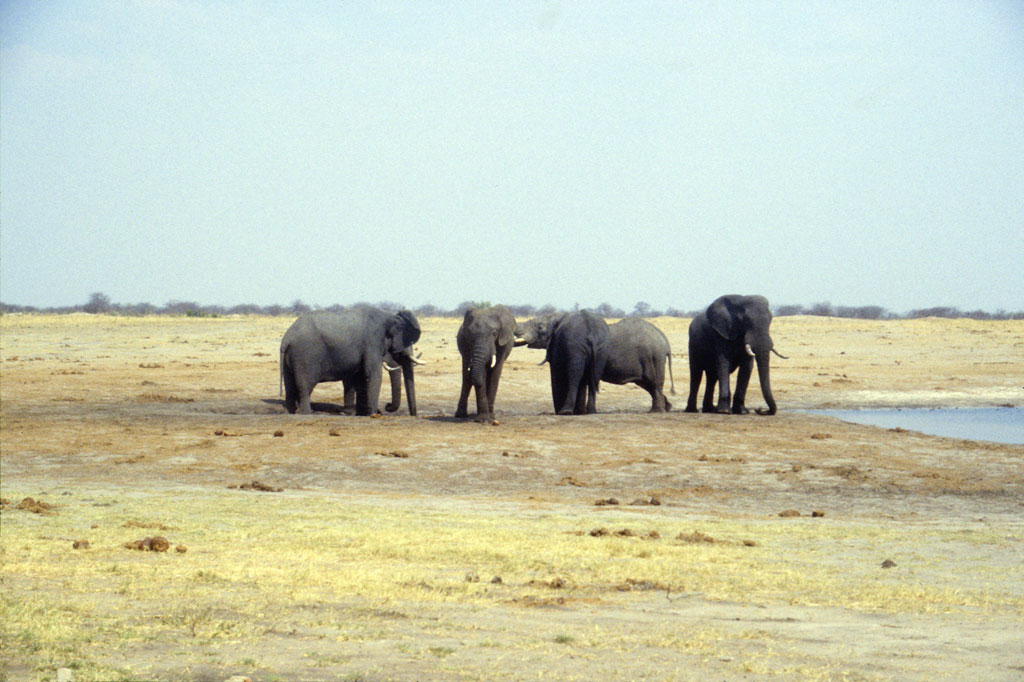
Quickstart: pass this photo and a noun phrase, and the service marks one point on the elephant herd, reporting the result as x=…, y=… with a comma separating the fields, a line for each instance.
x=582, y=350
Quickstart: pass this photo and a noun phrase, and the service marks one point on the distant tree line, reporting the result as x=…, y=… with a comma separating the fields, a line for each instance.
x=100, y=303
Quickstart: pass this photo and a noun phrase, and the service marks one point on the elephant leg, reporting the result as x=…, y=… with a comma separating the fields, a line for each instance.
x=291, y=392
x=462, y=411
x=591, y=397
x=710, y=382
x=658, y=402
x=493, y=377
x=742, y=381
x=696, y=373
x=483, y=406
x=563, y=393
x=584, y=400
x=368, y=389
x=724, y=396
x=304, y=389
x=350, y=397
x=574, y=382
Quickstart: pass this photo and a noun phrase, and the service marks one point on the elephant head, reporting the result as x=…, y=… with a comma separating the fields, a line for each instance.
x=401, y=332
x=536, y=333
x=486, y=330
x=744, y=321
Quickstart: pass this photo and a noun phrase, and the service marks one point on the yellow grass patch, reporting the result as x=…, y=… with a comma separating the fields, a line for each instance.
x=259, y=563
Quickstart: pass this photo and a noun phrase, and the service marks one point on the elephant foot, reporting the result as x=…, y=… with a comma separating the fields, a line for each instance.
x=692, y=409
x=484, y=418
x=765, y=413
x=716, y=410
x=461, y=414
x=565, y=411
x=740, y=410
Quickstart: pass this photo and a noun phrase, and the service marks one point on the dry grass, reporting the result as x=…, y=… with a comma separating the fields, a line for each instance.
x=260, y=563
x=371, y=568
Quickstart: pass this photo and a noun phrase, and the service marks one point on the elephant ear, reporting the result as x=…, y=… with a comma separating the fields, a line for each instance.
x=410, y=328
x=722, y=319
x=506, y=333
x=403, y=331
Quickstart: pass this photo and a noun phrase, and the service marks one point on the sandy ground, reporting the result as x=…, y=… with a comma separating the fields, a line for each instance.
x=104, y=402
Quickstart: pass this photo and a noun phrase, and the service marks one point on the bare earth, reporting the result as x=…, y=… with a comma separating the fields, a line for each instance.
x=94, y=406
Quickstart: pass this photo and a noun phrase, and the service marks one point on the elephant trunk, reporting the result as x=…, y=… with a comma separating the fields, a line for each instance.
x=763, y=376
x=407, y=363
x=395, y=374
x=481, y=361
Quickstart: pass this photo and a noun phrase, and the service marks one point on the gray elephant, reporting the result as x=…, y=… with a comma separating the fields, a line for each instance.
x=577, y=350
x=349, y=347
x=485, y=340
x=637, y=353
x=732, y=333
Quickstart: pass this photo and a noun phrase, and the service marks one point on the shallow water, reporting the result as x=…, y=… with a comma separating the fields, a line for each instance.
x=998, y=424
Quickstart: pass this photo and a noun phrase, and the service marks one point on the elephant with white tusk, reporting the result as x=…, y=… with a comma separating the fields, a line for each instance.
x=637, y=353
x=485, y=340
x=350, y=347
x=732, y=333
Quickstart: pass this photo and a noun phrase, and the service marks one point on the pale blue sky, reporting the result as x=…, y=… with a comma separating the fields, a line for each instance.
x=527, y=152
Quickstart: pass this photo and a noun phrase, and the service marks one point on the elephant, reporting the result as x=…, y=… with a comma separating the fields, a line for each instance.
x=577, y=349
x=350, y=347
x=637, y=352
x=731, y=333
x=485, y=340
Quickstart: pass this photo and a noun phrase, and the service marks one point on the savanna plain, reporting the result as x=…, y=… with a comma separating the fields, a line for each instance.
x=617, y=546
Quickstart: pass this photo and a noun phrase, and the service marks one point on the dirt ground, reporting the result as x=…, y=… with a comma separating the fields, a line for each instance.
x=152, y=406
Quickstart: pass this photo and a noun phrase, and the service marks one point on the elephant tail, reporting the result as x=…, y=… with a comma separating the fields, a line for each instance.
x=671, y=379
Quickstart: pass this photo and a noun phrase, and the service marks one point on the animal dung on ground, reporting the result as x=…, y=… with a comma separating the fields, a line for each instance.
x=632, y=584
x=393, y=453
x=789, y=513
x=226, y=433
x=695, y=537
x=36, y=506
x=256, y=485
x=334, y=432
x=181, y=549
x=278, y=434
x=817, y=513
x=888, y=563
x=140, y=524
x=155, y=544
x=611, y=501
x=80, y=544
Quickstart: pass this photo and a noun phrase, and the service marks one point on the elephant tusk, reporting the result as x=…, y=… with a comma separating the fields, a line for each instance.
x=784, y=357
x=750, y=351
